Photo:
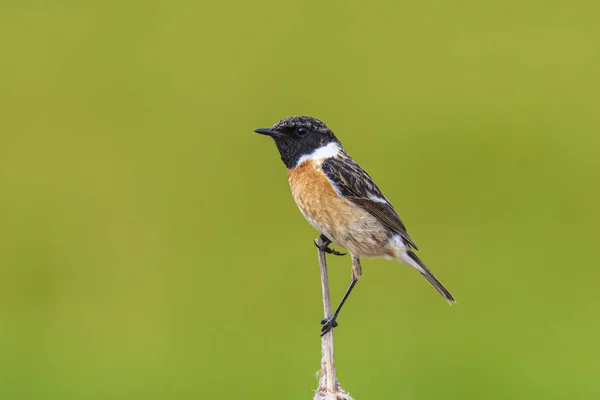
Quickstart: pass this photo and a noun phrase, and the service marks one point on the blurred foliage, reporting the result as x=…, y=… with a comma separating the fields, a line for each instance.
x=150, y=248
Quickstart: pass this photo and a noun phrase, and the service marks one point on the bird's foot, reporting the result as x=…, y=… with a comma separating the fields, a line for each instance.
x=328, y=250
x=328, y=324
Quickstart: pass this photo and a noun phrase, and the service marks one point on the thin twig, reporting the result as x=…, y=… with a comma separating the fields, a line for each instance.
x=329, y=387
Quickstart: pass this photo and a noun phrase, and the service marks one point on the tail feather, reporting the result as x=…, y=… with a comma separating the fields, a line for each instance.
x=416, y=262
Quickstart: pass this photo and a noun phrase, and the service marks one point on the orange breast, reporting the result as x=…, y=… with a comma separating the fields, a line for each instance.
x=318, y=201
x=342, y=221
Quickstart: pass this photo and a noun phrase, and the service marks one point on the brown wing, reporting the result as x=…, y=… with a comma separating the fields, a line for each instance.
x=353, y=183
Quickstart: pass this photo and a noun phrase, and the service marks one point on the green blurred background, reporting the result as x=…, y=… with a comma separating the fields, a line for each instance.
x=150, y=248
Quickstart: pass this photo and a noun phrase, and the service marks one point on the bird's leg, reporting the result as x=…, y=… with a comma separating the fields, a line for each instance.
x=325, y=246
x=330, y=323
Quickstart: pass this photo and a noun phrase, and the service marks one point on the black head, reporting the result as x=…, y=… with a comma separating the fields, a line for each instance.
x=297, y=136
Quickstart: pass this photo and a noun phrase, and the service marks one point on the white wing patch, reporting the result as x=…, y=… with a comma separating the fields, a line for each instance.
x=378, y=199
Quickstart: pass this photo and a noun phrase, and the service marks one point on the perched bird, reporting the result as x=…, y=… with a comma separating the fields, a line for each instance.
x=341, y=201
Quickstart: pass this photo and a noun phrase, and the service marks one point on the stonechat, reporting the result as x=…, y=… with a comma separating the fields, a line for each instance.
x=341, y=201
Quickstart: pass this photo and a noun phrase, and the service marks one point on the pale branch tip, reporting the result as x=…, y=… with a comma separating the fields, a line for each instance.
x=329, y=387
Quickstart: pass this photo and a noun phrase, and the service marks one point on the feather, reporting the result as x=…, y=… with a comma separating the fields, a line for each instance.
x=354, y=183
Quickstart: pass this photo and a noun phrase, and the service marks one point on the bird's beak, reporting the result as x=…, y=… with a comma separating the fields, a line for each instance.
x=267, y=131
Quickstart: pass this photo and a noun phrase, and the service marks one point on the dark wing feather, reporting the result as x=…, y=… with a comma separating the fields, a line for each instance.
x=353, y=183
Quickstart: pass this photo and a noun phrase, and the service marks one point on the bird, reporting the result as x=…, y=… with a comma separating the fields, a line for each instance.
x=342, y=202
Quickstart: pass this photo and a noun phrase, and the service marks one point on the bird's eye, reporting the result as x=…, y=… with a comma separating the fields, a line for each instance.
x=301, y=131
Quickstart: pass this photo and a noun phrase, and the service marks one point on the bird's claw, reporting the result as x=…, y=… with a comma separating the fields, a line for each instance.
x=328, y=250
x=328, y=324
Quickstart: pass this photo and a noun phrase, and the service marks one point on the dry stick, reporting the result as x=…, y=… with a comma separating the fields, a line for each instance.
x=329, y=387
